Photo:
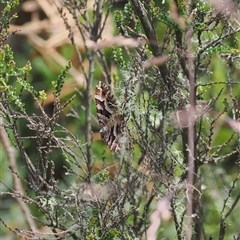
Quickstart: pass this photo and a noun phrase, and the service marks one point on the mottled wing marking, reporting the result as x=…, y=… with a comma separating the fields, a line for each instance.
x=110, y=120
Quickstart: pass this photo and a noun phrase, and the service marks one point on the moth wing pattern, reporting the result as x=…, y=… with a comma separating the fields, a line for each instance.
x=110, y=120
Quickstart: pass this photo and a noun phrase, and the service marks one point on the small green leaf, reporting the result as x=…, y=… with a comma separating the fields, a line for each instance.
x=42, y=95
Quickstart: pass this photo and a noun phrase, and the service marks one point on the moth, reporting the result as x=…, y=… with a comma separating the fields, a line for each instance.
x=110, y=119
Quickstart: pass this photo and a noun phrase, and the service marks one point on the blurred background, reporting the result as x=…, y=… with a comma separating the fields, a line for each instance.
x=40, y=36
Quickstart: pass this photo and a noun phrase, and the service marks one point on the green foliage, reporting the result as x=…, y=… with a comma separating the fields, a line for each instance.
x=42, y=95
x=5, y=19
x=58, y=83
x=155, y=10
x=118, y=57
x=182, y=8
x=201, y=10
x=124, y=18
x=118, y=16
x=222, y=49
x=165, y=18
x=10, y=74
x=111, y=235
x=127, y=14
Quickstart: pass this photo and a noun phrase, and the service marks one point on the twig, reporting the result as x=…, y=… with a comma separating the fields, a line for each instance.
x=224, y=217
x=191, y=128
x=149, y=30
x=17, y=183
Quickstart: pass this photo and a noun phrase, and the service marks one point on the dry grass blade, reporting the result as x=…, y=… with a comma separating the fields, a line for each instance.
x=234, y=124
x=118, y=40
x=160, y=213
x=157, y=61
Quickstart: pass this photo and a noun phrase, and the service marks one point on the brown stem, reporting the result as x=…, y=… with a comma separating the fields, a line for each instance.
x=88, y=111
x=149, y=30
x=17, y=183
x=192, y=193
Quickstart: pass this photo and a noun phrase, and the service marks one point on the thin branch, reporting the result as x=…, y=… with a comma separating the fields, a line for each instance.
x=234, y=204
x=191, y=127
x=150, y=32
x=17, y=183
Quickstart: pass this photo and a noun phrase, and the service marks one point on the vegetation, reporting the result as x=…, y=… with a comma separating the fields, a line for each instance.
x=173, y=67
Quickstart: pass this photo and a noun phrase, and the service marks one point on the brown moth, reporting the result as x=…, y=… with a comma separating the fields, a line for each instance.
x=110, y=120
